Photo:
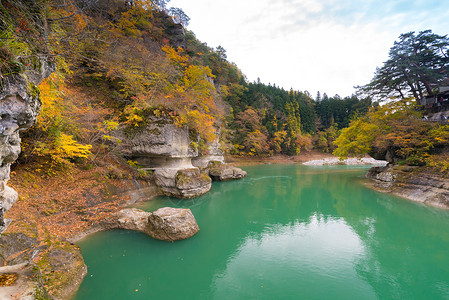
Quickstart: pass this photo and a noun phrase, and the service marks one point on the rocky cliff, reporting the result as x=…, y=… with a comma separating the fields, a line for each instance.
x=178, y=169
x=165, y=149
x=414, y=183
x=214, y=153
x=19, y=107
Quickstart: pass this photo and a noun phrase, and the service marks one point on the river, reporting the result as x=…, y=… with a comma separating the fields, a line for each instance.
x=284, y=232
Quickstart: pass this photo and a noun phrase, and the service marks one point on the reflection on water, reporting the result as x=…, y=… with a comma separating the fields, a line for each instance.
x=285, y=232
x=298, y=256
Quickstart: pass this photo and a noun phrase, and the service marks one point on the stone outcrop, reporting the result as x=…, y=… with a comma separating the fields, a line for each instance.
x=165, y=149
x=213, y=163
x=16, y=258
x=160, y=144
x=219, y=171
x=413, y=183
x=214, y=153
x=182, y=183
x=167, y=224
x=19, y=107
x=28, y=259
x=27, y=284
x=172, y=224
x=130, y=219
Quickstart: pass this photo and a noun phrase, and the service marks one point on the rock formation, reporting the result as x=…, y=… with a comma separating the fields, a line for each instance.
x=172, y=224
x=220, y=172
x=352, y=161
x=160, y=144
x=182, y=183
x=19, y=107
x=214, y=153
x=29, y=258
x=178, y=169
x=213, y=163
x=413, y=183
x=167, y=224
x=165, y=149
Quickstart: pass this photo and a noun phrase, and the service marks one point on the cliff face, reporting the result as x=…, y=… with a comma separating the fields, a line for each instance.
x=214, y=153
x=165, y=149
x=19, y=107
x=161, y=144
x=178, y=169
x=413, y=183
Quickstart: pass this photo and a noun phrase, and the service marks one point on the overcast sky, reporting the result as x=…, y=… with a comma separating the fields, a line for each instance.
x=315, y=45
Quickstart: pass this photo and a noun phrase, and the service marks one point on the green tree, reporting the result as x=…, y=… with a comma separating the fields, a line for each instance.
x=416, y=64
x=394, y=132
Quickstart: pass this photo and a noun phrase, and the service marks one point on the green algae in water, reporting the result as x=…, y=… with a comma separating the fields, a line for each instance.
x=284, y=232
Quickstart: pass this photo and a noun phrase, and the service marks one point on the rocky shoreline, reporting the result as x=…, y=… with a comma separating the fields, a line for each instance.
x=353, y=161
x=167, y=224
x=413, y=183
x=409, y=182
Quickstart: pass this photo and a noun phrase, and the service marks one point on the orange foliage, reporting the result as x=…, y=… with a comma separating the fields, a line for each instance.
x=176, y=57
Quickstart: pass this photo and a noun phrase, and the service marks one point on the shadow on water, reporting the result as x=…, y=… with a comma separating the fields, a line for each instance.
x=284, y=232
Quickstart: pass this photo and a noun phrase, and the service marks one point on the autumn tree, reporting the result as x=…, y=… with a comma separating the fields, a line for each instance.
x=249, y=133
x=393, y=132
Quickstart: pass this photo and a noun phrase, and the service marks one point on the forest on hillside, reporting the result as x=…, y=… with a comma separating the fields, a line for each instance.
x=120, y=62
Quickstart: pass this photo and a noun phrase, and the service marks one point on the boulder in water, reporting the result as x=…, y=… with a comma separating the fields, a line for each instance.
x=221, y=172
x=172, y=224
x=183, y=183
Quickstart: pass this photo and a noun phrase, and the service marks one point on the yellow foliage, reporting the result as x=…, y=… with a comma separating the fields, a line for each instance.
x=356, y=139
x=52, y=102
x=196, y=80
x=398, y=129
x=440, y=162
x=111, y=125
x=67, y=147
x=62, y=149
x=176, y=57
x=202, y=123
x=50, y=138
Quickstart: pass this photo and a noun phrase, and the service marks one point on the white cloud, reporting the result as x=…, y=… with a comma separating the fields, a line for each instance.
x=325, y=45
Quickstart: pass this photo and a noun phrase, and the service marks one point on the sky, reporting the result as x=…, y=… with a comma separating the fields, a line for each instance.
x=311, y=45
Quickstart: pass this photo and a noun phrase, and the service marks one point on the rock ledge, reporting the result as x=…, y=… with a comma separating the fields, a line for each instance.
x=413, y=183
x=167, y=223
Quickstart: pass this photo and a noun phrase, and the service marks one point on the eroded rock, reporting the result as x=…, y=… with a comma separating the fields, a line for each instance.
x=413, y=183
x=16, y=248
x=214, y=153
x=168, y=224
x=172, y=224
x=19, y=107
x=27, y=286
x=165, y=149
x=160, y=144
x=60, y=262
x=128, y=218
x=182, y=183
x=221, y=172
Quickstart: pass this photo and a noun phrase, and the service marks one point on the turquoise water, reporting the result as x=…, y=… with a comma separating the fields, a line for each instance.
x=284, y=232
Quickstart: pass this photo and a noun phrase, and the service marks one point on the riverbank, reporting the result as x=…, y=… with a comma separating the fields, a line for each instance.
x=418, y=184
x=53, y=212
x=278, y=159
x=311, y=158
x=352, y=161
